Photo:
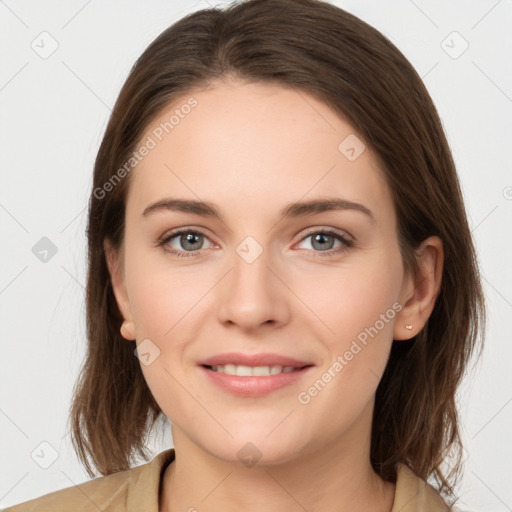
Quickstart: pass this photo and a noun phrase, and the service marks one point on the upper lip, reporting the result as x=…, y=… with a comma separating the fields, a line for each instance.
x=264, y=359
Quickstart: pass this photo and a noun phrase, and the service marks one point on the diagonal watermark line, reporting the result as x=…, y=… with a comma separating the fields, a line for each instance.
x=216, y=487
x=74, y=278
x=75, y=15
x=425, y=75
x=300, y=300
x=79, y=488
x=424, y=14
x=375, y=375
x=86, y=85
x=13, y=279
x=496, y=290
x=302, y=96
x=13, y=13
x=506, y=403
x=66, y=434
x=14, y=423
x=491, y=491
x=14, y=76
x=492, y=81
x=280, y=423
x=14, y=218
x=73, y=219
x=492, y=211
x=286, y=490
x=406, y=504
x=10, y=490
x=485, y=15
x=199, y=403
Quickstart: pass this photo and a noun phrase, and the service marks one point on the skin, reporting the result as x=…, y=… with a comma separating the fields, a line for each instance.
x=251, y=149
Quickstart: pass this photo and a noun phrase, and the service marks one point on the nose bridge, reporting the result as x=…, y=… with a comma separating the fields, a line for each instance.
x=251, y=273
x=252, y=294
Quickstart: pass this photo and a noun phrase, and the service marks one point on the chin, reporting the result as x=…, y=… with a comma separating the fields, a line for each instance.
x=255, y=449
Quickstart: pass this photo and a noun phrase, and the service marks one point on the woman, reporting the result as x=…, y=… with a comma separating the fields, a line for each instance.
x=277, y=233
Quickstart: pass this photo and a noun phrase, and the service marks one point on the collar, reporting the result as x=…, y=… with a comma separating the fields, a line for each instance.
x=412, y=494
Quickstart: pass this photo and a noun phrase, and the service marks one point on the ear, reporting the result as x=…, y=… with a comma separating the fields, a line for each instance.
x=419, y=293
x=115, y=267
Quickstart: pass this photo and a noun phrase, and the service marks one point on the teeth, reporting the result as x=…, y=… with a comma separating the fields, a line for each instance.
x=249, y=371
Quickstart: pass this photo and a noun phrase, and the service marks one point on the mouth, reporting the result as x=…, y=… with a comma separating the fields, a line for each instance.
x=253, y=371
x=254, y=381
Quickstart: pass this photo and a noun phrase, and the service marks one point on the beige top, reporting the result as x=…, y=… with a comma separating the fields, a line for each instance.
x=137, y=490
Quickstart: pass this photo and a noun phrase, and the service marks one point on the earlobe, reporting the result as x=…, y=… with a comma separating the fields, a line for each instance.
x=419, y=294
x=128, y=330
x=114, y=265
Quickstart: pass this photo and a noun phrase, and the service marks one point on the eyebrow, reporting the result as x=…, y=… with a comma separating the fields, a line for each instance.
x=292, y=210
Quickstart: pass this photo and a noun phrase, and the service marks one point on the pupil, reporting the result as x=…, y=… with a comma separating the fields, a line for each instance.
x=189, y=239
x=319, y=237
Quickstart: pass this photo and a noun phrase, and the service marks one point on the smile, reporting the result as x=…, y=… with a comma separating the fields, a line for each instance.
x=253, y=381
x=252, y=371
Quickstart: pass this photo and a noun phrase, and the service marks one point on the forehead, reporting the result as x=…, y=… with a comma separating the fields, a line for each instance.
x=252, y=145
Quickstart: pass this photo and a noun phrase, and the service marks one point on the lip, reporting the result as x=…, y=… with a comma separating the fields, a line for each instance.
x=253, y=386
x=263, y=359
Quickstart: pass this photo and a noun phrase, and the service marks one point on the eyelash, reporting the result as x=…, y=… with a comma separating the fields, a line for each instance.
x=347, y=244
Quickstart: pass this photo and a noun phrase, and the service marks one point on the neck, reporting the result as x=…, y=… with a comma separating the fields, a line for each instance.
x=338, y=477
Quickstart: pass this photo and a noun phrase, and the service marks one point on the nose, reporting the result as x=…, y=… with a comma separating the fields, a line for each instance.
x=254, y=293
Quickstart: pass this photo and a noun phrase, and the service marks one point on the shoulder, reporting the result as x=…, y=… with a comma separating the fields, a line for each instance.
x=415, y=495
x=111, y=493
x=94, y=495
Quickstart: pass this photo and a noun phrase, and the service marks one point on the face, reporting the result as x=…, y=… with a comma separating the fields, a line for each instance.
x=322, y=286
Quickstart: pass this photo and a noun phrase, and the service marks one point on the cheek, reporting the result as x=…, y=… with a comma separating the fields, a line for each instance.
x=357, y=312
x=351, y=298
x=168, y=306
x=164, y=308
x=162, y=296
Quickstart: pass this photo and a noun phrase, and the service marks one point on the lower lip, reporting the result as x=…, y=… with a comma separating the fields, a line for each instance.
x=254, y=386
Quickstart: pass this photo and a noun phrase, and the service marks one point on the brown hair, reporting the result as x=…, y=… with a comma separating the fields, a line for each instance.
x=320, y=49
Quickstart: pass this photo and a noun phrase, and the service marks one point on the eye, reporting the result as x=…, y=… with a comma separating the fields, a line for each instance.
x=183, y=243
x=323, y=241
x=189, y=242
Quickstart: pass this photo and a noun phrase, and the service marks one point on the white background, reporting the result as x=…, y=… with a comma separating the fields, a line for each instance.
x=53, y=114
